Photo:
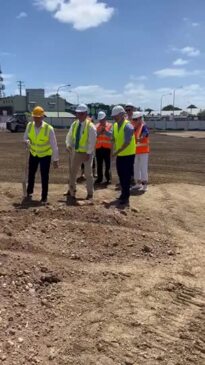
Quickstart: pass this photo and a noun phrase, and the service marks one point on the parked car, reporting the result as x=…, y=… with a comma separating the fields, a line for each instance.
x=18, y=122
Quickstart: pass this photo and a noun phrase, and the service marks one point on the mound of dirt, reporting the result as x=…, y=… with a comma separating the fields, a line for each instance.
x=92, y=284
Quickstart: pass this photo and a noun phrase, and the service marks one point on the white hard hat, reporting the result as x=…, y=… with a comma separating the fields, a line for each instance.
x=82, y=108
x=101, y=115
x=118, y=109
x=137, y=115
x=129, y=105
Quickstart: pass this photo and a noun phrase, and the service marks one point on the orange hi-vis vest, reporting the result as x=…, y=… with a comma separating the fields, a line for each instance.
x=103, y=141
x=143, y=145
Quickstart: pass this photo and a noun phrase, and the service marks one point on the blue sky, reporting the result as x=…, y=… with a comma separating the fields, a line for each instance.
x=108, y=50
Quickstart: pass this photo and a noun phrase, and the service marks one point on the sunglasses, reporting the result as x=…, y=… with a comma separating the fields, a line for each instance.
x=128, y=110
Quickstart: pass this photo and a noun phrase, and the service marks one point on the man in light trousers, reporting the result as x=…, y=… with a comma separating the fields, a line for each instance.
x=81, y=140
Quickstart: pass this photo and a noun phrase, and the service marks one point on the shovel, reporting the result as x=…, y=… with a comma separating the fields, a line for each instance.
x=25, y=173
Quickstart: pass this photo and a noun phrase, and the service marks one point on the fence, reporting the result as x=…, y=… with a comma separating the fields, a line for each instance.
x=186, y=125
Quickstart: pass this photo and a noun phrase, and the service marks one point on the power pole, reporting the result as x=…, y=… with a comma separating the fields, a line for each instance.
x=20, y=86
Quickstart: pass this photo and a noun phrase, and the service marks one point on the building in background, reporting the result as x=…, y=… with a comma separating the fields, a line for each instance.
x=22, y=104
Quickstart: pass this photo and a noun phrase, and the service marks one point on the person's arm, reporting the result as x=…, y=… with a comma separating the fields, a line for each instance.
x=144, y=133
x=54, y=146
x=109, y=133
x=68, y=140
x=129, y=131
x=91, y=141
x=25, y=137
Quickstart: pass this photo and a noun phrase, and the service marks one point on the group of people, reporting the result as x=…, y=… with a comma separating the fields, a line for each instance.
x=127, y=139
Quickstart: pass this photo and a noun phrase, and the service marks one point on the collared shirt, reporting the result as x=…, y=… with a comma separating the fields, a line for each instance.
x=52, y=141
x=91, y=136
x=129, y=131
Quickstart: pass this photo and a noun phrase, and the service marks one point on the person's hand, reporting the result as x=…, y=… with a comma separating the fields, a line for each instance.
x=87, y=157
x=55, y=164
x=114, y=153
x=27, y=143
x=68, y=148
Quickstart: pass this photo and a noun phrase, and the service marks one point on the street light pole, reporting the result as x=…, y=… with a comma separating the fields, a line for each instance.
x=173, y=101
x=60, y=87
x=161, y=102
x=174, y=92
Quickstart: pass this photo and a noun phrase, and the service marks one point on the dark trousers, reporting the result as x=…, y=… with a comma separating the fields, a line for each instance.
x=103, y=155
x=124, y=166
x=45, y=163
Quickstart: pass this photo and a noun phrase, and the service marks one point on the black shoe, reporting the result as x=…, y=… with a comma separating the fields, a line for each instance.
x=108, y=182
x=124, y=202
x=27, y=199
x=98, y=181
x=67, y=193
x=44, y=201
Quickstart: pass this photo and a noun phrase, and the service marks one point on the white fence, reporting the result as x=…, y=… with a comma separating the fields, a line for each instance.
x=187, y=125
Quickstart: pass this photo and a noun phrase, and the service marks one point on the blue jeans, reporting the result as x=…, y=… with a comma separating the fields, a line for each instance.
x=125, y=166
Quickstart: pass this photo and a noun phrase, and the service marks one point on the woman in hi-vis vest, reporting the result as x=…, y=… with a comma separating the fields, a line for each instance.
x=142, y=152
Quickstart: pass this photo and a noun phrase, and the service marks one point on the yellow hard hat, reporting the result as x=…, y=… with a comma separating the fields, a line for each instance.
x=38, y=111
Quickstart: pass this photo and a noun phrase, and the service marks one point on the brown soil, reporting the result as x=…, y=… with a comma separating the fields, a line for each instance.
x=95, y=285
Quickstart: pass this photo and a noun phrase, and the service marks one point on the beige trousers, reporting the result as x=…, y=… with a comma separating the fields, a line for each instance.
x=77, y=159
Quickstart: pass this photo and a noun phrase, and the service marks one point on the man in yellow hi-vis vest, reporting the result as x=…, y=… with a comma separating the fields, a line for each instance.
x=81, y=140
x=40, y=139
x=124, y=149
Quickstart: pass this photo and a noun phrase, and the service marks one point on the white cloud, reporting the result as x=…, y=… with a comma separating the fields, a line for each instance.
x=6, y=54
x=22, y=15
x=195, y=24
x=80, y=13
x=190, y=51
x=180, y=62
x=8, y=79
x=138, y=94
x=177, y=72
x=138, y=78
x=171, y=72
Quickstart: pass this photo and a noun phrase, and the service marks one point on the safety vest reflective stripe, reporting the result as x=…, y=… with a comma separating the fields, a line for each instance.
x=119, y=137
x=40, y=145
x=83, y=143
x=142, y=145
x=39, y=152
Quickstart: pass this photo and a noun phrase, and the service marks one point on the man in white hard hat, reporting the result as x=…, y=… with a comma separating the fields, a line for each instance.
x=142, y=152
x=124, y=149
x=129, y=108
x=81, y=139
x=103, y=147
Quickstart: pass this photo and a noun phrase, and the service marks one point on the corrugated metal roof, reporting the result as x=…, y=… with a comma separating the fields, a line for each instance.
x=60, y=114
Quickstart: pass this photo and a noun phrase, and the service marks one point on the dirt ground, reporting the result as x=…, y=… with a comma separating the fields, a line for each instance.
x=95, y=285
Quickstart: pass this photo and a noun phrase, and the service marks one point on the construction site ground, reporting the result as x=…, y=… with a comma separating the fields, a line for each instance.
x=93, y=284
